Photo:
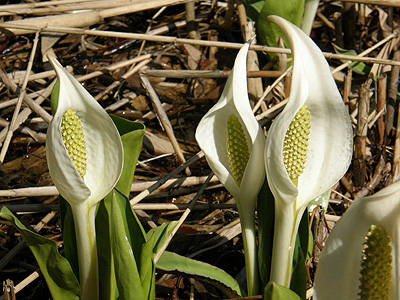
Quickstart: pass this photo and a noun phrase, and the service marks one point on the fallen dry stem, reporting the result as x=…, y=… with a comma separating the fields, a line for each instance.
x=364, y=53
x=34, y=106
x=175, y=40
x=166, y=124
x=146, y=187
x=389, y=3
x=183, y=217
x=164, y=180
x=12, y=127
x=41, y=4
x=205, y=73
x=54, y=7
x=88, y=17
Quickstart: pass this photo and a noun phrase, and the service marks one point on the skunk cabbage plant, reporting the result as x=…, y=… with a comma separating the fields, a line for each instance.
x=85, y=158
x=361, y=257
x=309, y=145
x=233, y=144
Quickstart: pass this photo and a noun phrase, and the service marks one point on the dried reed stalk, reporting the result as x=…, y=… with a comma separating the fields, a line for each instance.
x=360, y=140
x=54, y=8
x=390, y=3
x=86, y=18
x=147, y=186
x=175, y=40
x=166, y=124
x=12, y=127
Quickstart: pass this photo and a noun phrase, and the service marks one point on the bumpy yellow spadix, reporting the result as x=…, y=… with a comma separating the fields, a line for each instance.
x=295, y=145
x=376, y=265
x=74, y=140
x=237, y=147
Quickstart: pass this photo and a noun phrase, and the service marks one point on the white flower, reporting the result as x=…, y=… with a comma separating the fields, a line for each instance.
x=233, y=144
x=85, y=158
x=309, y=145
x=338, y=272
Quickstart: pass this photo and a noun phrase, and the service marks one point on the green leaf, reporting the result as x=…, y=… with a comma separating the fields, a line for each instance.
x=68, y=234
x=253, y=9
x=132, y=139
x=276, y=292
x=126, y=245
x=107, y=281
x=147, y=269
x=161, y=234
x=156, y=239
x=118, y=229
x=54, y=97
x=358, y=67
x=55, y=268
x=298, y=282
x=291, y=10
x=266, y=216
x=174, y=263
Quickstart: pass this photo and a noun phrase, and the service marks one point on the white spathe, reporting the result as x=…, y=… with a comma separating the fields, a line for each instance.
x=329, y=150
x=103, y=143
x=104, y=168
x=211, y=135
x=338, y=271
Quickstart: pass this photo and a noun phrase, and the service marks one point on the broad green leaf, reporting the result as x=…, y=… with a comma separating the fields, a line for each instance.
x=132, y=138
x=68, y=234
x=156, y=239
x=147, y=269
x=277, y=292
x=357, y=66
x=171, y=262
x=266, y=214
x=291, y=10
x=253, y=9
x=54, y=97
x=123, y=245
x=55, y=268
x=107, y=281
x=115, y=212
x=298, y=283
x=160, y=235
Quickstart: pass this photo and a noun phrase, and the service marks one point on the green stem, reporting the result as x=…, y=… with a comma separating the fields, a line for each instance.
x=283, y=246
x=247, y=222
x=84, y=220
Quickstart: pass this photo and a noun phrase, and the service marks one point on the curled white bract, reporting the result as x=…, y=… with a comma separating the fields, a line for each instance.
x=338, y=272
x=97, y=140
x=103, y=143
x=211, y=135
x=329, y=145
